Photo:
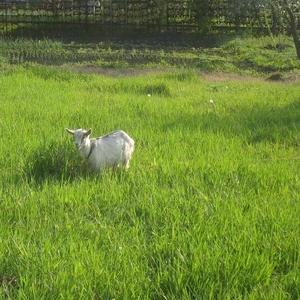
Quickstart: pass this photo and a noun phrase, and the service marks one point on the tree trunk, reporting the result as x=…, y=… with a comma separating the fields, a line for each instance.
x=297, y=42
x=293, y=25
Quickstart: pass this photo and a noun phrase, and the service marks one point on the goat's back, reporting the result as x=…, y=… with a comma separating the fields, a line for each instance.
x=118, y=135
x=111, y=150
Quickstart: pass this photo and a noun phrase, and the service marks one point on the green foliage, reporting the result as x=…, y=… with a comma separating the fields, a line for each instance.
x=208, y=210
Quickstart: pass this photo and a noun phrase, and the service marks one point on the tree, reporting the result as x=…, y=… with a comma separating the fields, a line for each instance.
x=289, y=10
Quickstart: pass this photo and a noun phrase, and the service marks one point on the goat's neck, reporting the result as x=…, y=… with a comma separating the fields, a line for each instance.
x=86, y=149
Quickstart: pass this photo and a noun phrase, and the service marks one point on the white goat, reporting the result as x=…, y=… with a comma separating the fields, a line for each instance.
x=110, y=150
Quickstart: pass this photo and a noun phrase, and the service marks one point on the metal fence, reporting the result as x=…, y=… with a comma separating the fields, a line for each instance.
x=177, y=14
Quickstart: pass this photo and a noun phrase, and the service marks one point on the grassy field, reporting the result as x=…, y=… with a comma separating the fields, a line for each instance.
x=230, y=53
x=208, y=210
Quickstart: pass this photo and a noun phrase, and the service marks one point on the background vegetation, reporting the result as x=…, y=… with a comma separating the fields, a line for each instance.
x=182, y=15
x=243, y=55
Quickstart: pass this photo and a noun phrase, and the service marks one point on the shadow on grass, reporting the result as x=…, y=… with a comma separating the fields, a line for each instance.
x=160, y=89
x=56, y=162
x=272, y=124
x=116, y=37
x=260, y=123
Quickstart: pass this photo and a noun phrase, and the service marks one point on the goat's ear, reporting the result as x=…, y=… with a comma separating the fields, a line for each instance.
x=88, y=132
x=70, y=131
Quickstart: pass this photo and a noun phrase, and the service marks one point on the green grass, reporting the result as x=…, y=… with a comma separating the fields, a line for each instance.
x=228, y=53
x=208, y=210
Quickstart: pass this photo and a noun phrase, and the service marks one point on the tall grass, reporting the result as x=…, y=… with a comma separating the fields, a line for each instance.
x=209, y=209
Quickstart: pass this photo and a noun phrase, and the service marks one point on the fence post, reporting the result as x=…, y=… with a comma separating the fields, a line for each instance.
x=6, y=20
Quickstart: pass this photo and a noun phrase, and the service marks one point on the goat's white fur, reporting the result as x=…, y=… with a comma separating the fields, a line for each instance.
x=110, y=150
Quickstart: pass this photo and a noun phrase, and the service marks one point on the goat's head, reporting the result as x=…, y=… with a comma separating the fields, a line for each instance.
x=80, y=136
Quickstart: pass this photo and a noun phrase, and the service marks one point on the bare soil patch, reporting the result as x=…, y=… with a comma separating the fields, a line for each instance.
x=212, y=77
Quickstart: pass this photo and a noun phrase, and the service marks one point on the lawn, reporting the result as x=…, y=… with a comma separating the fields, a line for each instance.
x=208, y=210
